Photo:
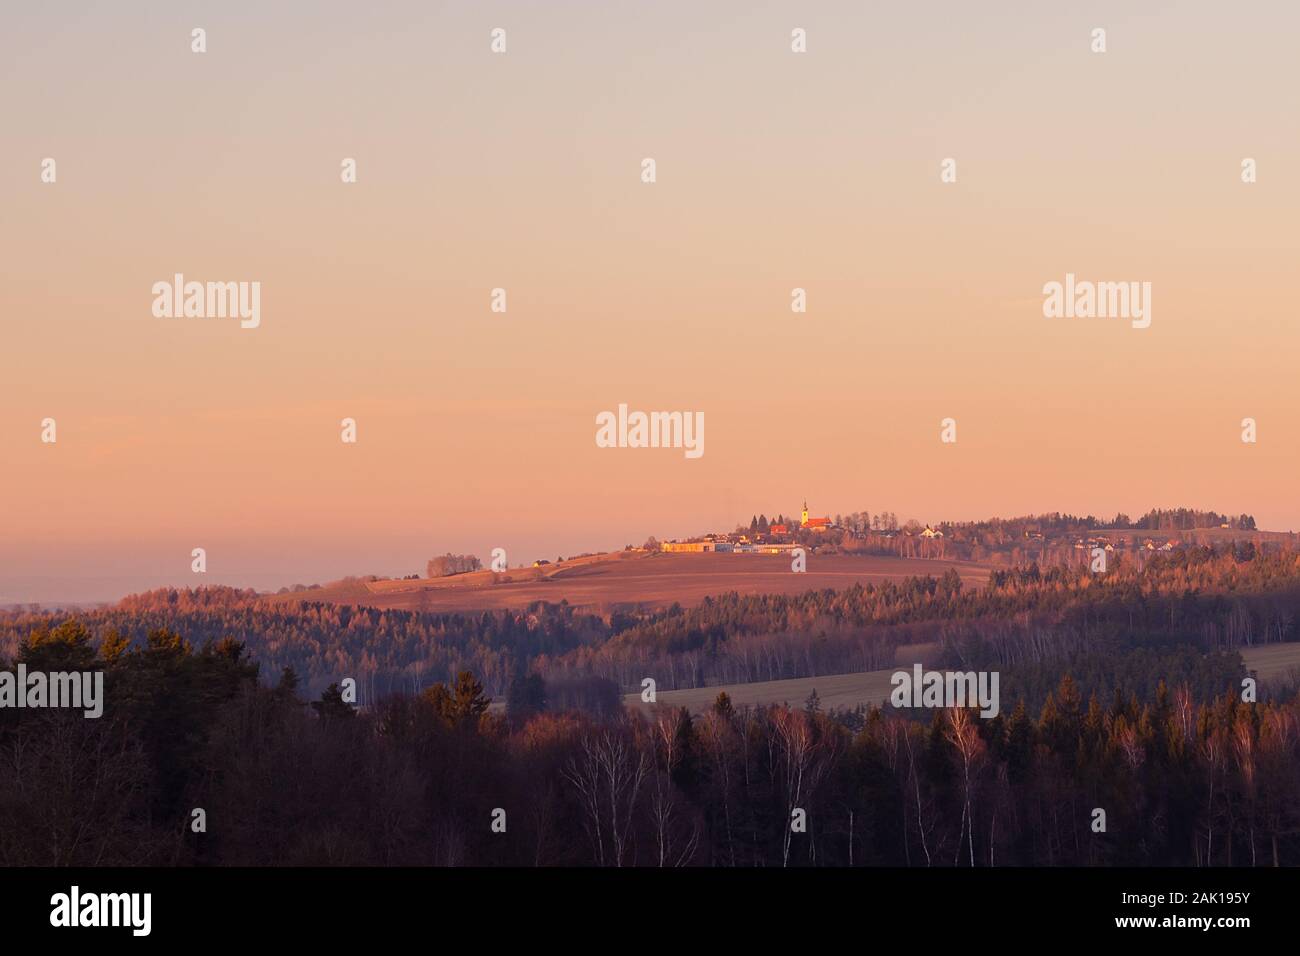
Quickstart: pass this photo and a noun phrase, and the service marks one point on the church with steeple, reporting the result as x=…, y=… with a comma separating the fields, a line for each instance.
x=813, y=524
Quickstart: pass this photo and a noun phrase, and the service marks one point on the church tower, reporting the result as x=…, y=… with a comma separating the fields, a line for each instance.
x=805, y=512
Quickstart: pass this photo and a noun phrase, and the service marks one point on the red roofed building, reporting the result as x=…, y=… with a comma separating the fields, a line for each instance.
x=814, y=524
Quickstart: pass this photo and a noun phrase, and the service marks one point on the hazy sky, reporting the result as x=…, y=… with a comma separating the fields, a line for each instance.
x=522, y=170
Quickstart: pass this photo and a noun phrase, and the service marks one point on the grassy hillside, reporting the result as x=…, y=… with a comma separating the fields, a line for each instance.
x=623, y=578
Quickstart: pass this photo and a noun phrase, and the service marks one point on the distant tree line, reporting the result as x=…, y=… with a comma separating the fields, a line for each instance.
x=1157, y=519
x=452, y=564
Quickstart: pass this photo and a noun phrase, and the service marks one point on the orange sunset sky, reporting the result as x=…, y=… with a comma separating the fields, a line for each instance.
x=521, y=170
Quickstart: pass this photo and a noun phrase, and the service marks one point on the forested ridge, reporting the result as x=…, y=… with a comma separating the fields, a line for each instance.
x=1203, y=598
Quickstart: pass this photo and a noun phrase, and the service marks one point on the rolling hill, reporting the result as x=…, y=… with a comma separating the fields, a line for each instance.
x=630, y=579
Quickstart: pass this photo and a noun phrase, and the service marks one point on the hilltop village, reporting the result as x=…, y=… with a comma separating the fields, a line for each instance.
x=762, y=537
x=1044, y=539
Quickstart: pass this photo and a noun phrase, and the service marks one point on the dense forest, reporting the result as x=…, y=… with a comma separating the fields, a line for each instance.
x=1205, y=599
x=198, y=762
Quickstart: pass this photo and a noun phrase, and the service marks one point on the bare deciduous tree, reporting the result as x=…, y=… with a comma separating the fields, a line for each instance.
x=608, y=775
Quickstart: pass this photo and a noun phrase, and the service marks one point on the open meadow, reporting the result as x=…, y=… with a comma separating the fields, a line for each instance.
x=1268, y=662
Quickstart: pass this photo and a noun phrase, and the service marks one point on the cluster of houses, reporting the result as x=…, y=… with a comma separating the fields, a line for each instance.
x=780, y=538
x=775, y=539
x=719, y=543
x=1106, y=544
x=751, y=542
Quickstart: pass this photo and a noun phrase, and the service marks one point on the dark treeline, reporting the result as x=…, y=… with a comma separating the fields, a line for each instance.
x=1157, y=519
x=383, y=650
x=1205, y=598
x=422, y=779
